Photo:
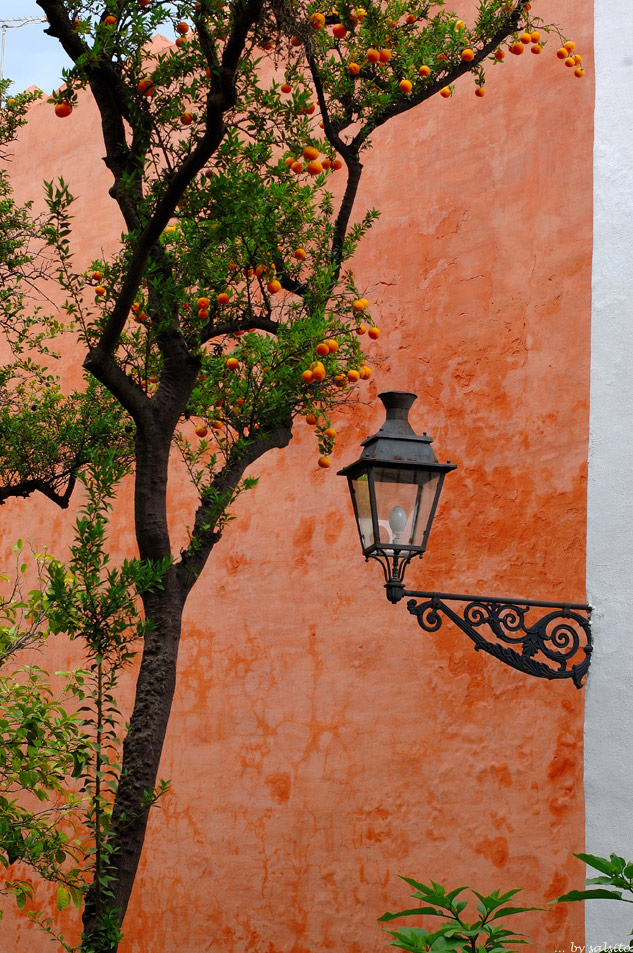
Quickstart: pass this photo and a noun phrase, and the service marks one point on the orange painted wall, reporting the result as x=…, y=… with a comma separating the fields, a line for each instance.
x=320, y=743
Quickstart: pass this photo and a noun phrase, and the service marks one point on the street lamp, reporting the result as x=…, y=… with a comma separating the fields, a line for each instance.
x=395, y=487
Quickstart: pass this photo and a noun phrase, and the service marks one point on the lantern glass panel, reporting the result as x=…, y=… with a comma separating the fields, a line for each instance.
x=362, y=505
x=404, y=502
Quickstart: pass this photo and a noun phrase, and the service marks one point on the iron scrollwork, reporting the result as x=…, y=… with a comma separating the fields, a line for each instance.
x=557, y=645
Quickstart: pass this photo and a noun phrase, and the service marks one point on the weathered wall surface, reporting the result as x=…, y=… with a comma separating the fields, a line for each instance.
x=609, y=718
x=320, y=743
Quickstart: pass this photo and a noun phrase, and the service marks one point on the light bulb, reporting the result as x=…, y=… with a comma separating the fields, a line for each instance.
x=397, y=522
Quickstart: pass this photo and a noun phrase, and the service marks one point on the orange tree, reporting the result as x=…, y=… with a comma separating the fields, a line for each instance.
x=229, y=309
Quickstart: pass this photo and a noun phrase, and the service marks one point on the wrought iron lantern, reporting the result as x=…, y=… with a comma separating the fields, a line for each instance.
x=395, y=487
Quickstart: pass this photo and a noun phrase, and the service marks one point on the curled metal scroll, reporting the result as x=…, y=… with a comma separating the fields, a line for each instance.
x=557, y=645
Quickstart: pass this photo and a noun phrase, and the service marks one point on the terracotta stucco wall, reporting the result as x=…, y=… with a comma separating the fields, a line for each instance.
x=320, y=743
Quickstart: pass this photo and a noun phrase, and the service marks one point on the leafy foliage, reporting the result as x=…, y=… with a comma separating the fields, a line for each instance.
x=482, y=935
x=616, y=873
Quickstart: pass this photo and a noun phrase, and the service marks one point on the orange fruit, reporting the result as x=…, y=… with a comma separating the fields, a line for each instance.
x=337, y=164
x=286, y=88
x=217, y=425
x=339, y=31
x=317, y=21
x=201, y=430
x=500, y=54
x=325, y=463
x=260, y=270
x=537, y=48
x=385, y=56
x=97, y=276
x=63, y=109
x=186, y=119
x=373, y=56
x=405, y=85
x=353, y=69
x=311, y=420
x=289, y=161
x=318, y=373
x=360, y=304
x=100, y=290
x=223, y=298
x=203, y=303
x=307, y=377
x=146, y=86
x=562, y=53
x=204, y=314
x=365, y=372
x=569, y=46
x=468, y=55
x=353, y=376
x=374, y=333
x=299, y=253
x=361, y=329
x=340, y=380
x=110, y=20
x=322, y=349
x=274, y=286
x=526, y=38
x=315, y=167
x=294, y=41
x=182, y=43
x=232, y=363
x=332, y=345
x=480, y=91
x=425, y=71
x=535, y=36
x=579, y=72
x=445, y=92
x=326, y=163
x=310, y=153
x=182, y=28
x=517, y=48
x=570, y=61
x=330, y=432
x=297, y=167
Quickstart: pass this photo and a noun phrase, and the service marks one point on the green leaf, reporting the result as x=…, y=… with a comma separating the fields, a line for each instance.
x=62, y=898
x=591, y=895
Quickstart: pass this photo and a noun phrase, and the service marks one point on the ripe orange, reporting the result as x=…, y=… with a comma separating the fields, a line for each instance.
x=526, y=38
x=353, y=376
x=405, y=85
x=445, y=92
x=385, y=56
x=318, y=372
x=182, y=43
x=365, y=372
x=579, y=72
x=517, y=48
x=337, y=164
x=203, y=313
x=182, y=28
x=135, y=308
x=286, y=88
x=100, y=290
x=570, y=46
x=311, y=420
x=577, y=59
x=289, y=161
x=442, y=58
x=570, y=61
x=186, y=119
x=201, y=430
x=217, y=425
x=315, y=167
x=299, y=253
x=326, y=163
x=360, y=304
x=310, y=152
x=274, y=286
x=330, y=432
x=110, y=20
x=468, y=55
x=480, y=91
x=325, y=463
x=317, y=21
x=340, y=380
x=332, y=345
x=232, y=363
x=353, y=69
x=203, y=302
x=374, y=333
x=297, y=167
x=223, y=298
x=339, y=31
x=260, y=270
x=63, y=109
x=537, y=48
x=425, y=71
x=97, y=276
x=535, y=36
x=146, y=86
x=500, y=54
x=361, y=329
x=294, y=41
x=322, y=348
x=373, y=56
x=307, y=377
x=562, y=53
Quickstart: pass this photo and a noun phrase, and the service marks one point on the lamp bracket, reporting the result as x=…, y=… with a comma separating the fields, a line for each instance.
x=556, y=645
